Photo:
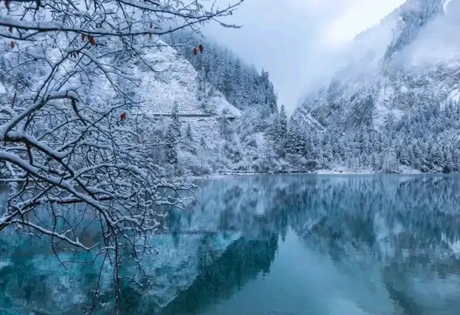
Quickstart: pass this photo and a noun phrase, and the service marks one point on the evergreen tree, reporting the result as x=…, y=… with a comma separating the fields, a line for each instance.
x=176, y=124
x=374, y=164
x=389, y=163
x=436, y=155
x=327, y=153
x=202, y=142
x=171, y=146
x=189, y=134
x=283, y=122
x=224, y=127
x=173, y=136
x=279, y=133
x=404, y=156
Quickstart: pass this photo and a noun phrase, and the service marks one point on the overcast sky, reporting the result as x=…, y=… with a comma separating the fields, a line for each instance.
x=296, y=40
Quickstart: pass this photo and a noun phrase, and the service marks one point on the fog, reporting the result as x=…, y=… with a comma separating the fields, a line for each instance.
x=298, y=41
x=441, y=36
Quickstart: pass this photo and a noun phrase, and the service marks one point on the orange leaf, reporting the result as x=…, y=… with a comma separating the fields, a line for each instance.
x=195, y=52
x=201, y=48
x=123, y=116
x=12, y=45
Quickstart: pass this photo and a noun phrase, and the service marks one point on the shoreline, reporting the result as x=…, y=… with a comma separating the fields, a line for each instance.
x=317, y=172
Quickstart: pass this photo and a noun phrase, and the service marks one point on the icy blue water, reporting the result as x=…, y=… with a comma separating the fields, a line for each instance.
x=279, y=245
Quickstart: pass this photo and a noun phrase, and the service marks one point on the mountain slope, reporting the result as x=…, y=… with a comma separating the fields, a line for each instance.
x=177, y=83
x=386, y=73
x=242, y=84
x=399, y=88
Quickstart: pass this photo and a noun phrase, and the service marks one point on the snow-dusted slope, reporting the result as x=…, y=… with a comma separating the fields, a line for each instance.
x=176, y=82
x=412, y=58
x=165, y=79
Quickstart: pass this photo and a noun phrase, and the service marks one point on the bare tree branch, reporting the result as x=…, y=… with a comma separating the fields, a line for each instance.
x=72, y=164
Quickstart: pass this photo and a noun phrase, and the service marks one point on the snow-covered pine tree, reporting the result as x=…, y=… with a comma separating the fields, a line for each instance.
x=176, y=124
x=171, y=145
x=189, y=133
x=283, y=122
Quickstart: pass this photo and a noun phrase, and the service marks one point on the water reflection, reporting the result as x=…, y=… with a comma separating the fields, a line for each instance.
x=275, y=245
x=242, y=262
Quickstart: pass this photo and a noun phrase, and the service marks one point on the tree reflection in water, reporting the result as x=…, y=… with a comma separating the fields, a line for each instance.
x=406, y=227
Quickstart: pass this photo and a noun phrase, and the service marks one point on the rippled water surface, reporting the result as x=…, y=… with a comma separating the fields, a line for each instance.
x=274, y=245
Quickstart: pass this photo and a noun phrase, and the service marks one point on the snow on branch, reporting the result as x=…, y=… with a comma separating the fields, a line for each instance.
x=74, y=158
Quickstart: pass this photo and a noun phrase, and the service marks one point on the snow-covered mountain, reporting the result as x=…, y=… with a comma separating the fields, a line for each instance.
x=410, y=58
x=393, y=105
x=224, y=107
x=176, y=82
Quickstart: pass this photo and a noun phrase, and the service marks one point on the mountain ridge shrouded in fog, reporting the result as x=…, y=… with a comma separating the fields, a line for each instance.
x=399, y=91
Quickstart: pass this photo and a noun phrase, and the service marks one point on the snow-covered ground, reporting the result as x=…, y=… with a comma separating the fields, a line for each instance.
x=345, y=170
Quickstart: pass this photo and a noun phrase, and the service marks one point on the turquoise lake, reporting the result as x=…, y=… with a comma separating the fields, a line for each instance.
x=275, y=245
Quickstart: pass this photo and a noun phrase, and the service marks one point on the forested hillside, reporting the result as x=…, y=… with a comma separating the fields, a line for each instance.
x=242, y=84
x=394, y=107
x=243, y=142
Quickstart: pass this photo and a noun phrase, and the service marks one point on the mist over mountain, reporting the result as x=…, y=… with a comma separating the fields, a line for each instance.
x=398, y=92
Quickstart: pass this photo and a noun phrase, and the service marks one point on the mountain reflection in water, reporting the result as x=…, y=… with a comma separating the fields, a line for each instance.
x=274, y=245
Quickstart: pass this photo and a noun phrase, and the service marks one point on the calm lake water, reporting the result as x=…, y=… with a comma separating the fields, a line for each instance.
x=275, y=245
